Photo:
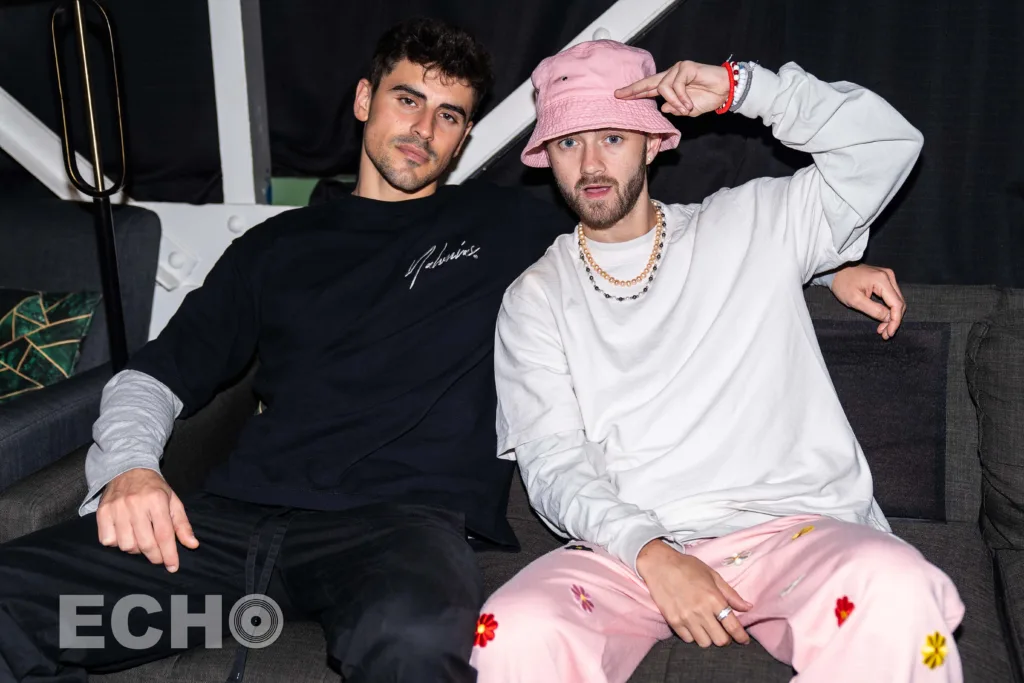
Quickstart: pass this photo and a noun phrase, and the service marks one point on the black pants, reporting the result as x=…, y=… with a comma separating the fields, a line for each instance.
x=395, y=587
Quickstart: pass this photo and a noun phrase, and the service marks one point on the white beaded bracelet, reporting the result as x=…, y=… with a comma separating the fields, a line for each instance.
x=741, y=84
x=743, y=87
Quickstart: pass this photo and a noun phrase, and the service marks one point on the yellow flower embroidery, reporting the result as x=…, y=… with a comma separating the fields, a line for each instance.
x=737, y=559
x=806, y=530
x=934, y=650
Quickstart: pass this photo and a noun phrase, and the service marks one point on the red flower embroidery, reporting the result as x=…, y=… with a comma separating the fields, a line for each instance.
x=485, y=627
x=584, y=599
x=844, y=608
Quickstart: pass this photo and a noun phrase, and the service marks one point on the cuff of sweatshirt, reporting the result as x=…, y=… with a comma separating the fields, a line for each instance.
x=92, y=499
x=764, y=87
x=824, y=280
x=629, y=546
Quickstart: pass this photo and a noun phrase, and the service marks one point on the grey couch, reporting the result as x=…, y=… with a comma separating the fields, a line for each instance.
x=939, y=410
x=50, y=245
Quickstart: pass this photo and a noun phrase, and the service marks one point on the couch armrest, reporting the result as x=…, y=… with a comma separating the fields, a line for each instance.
x=1010, y=577
x=40, y=427
x=48, y=497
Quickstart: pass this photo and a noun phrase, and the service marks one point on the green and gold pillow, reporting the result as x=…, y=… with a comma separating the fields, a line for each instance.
x=41, y=337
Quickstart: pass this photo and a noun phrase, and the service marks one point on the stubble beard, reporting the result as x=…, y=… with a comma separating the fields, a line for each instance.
x=605, y=214
x=400, y=175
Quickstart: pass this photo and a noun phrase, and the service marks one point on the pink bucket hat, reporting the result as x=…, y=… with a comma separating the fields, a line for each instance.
x=576, y=92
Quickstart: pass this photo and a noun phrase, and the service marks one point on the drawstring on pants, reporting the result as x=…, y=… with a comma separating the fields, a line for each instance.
x=278, y=521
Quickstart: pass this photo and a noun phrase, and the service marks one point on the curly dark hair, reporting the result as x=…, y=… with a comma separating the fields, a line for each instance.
x=434, y=44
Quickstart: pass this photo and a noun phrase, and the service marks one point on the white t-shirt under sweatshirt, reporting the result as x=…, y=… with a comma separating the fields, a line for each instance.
x=704, y=407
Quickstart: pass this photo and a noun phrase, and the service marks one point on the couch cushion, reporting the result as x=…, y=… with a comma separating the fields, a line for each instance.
x=894, y=395
x=929, y=308
x=995, y=374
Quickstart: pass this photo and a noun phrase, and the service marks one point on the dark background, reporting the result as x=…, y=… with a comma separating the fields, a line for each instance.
x=953, y=68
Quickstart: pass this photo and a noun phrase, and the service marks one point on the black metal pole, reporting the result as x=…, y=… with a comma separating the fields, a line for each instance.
x=111, y=283
x=107, y=247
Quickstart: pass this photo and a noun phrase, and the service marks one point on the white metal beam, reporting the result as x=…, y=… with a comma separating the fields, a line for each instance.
x=240, y=93
x=624, y=21
x=33, y=145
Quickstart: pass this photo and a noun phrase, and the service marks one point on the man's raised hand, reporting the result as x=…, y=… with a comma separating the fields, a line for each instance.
x=689, y=88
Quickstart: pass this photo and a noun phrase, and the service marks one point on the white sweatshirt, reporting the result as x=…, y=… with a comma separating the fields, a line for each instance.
x=704, y=407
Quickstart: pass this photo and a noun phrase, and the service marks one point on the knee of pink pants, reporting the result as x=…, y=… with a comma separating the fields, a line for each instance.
x=523, y=636
x=896, y=573
x=570, y=617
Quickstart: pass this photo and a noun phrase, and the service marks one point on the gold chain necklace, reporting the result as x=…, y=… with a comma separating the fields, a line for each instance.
x=648, y=273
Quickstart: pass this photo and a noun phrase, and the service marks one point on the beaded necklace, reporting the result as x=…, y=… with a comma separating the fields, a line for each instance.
x=648, y=273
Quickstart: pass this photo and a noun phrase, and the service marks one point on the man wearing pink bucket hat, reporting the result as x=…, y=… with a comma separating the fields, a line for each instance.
x=660, y=384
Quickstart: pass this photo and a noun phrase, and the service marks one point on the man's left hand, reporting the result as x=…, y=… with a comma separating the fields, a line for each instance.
x=854, y=286
x=689, y=88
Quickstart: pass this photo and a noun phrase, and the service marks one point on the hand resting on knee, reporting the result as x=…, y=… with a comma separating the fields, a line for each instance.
x=139, y=513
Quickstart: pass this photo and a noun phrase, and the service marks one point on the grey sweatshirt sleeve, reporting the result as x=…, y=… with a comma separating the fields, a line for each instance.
x=137, y=415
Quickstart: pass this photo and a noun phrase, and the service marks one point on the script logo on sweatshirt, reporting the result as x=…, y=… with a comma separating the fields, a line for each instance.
x=429, y=262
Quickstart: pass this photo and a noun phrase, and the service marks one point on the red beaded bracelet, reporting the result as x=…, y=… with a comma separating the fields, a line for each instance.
x=733, y=71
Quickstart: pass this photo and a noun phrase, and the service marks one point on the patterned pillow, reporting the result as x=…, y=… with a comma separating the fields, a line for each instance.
x=41, y=336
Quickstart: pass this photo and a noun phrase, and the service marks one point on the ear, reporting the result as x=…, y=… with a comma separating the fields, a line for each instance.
x=653, y=146
x=364, y=93
x=465, y=136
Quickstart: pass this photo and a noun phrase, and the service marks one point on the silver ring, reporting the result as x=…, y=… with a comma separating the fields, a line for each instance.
x=724, y=613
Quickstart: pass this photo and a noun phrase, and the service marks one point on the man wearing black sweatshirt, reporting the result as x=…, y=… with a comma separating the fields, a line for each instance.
x=357, y=496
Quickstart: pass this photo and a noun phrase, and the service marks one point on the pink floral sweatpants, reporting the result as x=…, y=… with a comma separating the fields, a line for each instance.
x=839, y=602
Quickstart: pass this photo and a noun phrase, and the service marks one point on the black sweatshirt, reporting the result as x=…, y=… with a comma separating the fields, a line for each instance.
x=373, y=323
